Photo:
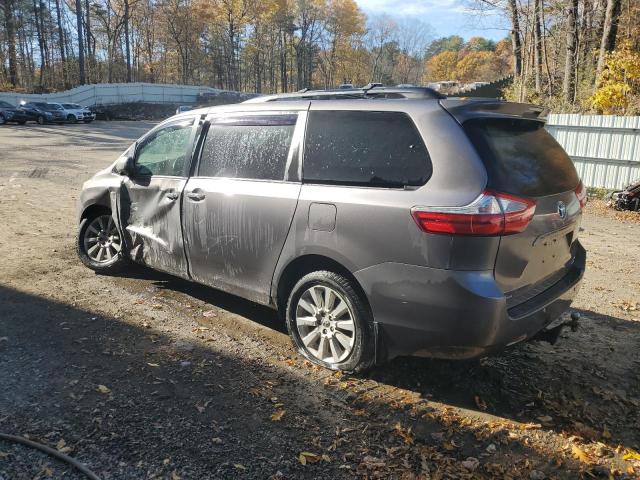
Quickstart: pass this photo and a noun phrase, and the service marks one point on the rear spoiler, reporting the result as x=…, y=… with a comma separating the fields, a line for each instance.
x=463, y=109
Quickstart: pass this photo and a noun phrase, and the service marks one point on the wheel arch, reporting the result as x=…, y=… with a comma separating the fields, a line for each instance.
x=94, y=209
x=299, y=267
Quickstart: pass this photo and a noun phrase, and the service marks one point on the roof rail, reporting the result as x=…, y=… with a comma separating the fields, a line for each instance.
x=368, y=92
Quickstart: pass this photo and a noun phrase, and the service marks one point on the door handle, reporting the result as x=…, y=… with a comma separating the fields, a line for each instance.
x=172, y=195
x=196, y=196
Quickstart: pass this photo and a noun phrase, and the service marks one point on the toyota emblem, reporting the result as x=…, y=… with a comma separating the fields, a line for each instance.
x=562, y=210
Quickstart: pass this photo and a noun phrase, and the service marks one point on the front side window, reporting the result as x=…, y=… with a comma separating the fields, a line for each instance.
x=166, y=152
x=375, y=149
x=248, y=147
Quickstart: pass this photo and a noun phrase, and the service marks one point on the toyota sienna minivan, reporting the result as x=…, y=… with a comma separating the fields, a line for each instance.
x=378, y=222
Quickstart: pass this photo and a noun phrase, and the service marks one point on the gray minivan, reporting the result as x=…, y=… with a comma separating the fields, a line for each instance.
x=379, y=223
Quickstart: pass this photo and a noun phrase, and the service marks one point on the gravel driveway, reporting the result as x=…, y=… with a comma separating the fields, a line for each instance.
x=147, y=376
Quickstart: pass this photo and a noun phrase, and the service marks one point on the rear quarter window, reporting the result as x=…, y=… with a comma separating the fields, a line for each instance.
x=521, y=157
x=376, y=149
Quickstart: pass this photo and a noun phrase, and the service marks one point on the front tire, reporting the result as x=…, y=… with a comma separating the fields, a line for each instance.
x=99, y=244
x=71, y=119
x=330, y=322
x=2, y=120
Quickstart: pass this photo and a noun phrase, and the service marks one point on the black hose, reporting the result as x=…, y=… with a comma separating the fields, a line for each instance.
x=54, y=453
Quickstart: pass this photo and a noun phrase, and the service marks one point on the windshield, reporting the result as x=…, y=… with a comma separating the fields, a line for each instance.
x=5, y=105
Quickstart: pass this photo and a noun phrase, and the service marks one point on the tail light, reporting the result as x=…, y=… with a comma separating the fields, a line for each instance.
x=491, y=214
x=581, y=193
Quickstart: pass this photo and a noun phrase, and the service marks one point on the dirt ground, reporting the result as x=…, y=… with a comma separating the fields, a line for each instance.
x=147, y=376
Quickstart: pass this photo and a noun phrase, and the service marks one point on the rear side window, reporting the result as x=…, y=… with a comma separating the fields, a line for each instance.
x=521, y=157
x=250, y=147
x=376, y=149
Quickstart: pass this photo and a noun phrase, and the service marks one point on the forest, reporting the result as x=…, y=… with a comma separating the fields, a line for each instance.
x=571, y=55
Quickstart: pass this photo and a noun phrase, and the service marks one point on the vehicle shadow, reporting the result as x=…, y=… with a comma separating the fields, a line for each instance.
x=132, y=402
x=255, y=312
x=585, y=385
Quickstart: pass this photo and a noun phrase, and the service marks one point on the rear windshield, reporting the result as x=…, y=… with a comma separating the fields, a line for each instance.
x=521, y=157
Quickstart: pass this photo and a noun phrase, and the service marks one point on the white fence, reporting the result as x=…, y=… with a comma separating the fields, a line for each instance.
x=604, y=148
x=117, y=93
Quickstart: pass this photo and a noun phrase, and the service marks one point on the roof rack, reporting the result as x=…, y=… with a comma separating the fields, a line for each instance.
x=367, y=92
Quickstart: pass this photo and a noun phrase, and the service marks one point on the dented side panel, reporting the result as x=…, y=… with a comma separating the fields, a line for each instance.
x=150, y=217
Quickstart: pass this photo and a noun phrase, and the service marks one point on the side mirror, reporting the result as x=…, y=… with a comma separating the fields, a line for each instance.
x=124, y=165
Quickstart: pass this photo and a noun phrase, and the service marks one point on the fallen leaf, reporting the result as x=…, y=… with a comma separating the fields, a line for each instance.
x=61, y=444
x=239, y=466
x=471, y=463
x=606, y=433
x=308, y=457
x=631, y=455
x=406, y=435
x=210, y=313
x=277, y=415
x=103, y=389
x=580, y=454
x=153, y=364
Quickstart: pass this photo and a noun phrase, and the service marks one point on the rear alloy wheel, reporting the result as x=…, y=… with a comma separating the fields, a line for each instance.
x=100, y=244
x=40, y=120
x=330, y=323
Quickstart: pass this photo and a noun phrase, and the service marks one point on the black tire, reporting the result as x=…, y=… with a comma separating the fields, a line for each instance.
x=2, y=119
x=116, y=264
x=362, y=355
x=40, y=120
x=71, y=119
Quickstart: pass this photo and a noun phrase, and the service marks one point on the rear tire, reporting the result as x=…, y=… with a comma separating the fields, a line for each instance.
x=330, y=322
x=2, y=120
x=99, y=244
x=40, y=120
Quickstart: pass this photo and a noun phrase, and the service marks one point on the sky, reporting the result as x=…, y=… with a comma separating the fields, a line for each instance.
x=446, y=17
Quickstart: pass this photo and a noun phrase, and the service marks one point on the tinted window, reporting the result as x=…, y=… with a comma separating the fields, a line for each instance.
x=254, y=147
x=382, y=149
x=521, y=157
x=166, y=151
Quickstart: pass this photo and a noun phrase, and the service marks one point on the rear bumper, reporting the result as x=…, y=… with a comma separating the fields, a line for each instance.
x=457, y=314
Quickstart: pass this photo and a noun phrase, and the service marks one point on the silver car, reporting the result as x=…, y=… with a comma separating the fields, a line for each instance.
x=379, y=223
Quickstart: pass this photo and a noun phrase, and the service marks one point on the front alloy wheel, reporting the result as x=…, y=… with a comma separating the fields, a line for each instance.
x=100, y=244
x=330, y=322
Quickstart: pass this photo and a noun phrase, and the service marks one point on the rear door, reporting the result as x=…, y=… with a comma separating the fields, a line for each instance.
x=239, y=203
x=523, y=159
x=150, y=198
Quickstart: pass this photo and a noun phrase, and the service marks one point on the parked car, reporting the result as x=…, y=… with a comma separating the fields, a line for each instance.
x=345, y=86
x=183, y=108
x=43, y=112
x=9, y=113
x=415, y=225
x=77, y=113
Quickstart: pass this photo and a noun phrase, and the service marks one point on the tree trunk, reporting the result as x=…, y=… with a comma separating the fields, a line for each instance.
x=9, y=23
x=126, y=39
x=568, y=84
x=538, y=46
x=36, y=13
x=609, y=32
x=61, y=42
x=81, y=77
x=515, y=38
